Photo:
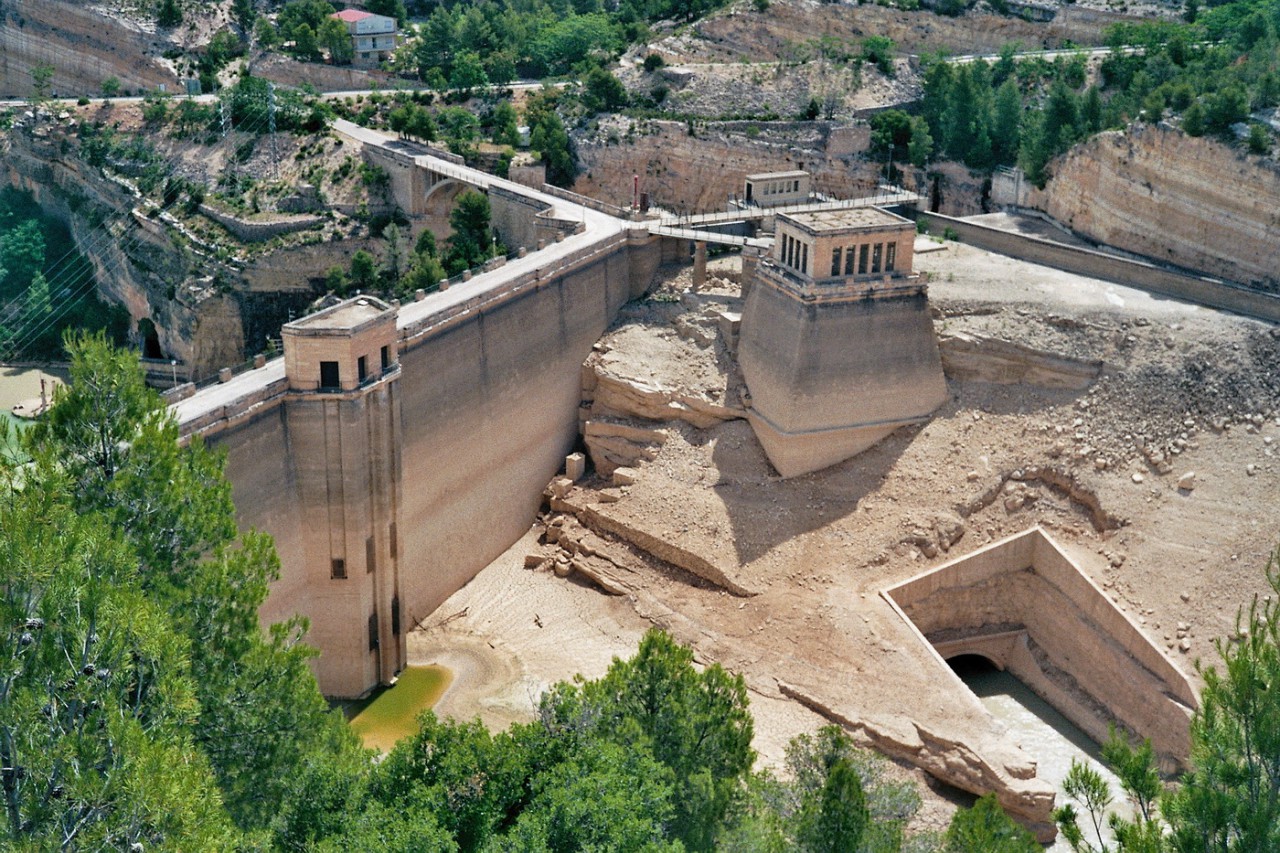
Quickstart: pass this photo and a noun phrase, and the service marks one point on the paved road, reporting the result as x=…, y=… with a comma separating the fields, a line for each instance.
x=520, y=86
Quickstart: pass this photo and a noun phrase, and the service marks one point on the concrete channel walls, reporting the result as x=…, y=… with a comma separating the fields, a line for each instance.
x=1149, y=277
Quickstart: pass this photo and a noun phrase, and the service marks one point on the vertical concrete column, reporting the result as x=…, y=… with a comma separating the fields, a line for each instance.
x=699, y=264
x=750, y=261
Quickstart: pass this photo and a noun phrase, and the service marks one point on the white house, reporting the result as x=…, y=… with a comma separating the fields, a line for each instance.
x=374, y=36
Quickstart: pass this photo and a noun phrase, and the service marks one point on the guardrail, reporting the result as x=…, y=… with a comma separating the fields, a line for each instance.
x=414, y=331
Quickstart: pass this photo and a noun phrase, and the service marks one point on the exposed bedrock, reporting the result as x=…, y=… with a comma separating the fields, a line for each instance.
x=1188, y=201
x=700, y=172
x=83, y=43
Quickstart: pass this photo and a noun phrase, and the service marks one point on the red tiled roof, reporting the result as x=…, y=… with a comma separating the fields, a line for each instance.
x=351, y=15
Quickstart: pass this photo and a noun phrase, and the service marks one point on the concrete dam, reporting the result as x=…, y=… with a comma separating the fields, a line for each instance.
x=394, y=453
x=396, y=450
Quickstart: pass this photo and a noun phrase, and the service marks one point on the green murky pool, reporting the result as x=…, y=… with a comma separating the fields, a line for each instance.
x=392, y=713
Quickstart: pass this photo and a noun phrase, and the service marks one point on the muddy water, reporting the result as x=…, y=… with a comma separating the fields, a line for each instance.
x=392, y=713
x=1044, y=734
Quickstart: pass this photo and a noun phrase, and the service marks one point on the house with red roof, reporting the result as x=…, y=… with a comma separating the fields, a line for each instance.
x=373, y=36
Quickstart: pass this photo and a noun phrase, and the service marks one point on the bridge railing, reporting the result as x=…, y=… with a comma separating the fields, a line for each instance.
x=592, y=203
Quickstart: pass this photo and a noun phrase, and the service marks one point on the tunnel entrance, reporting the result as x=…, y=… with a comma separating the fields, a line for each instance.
x=150, y=339
x=1048, y=737
x=1023, y=610
x=972, y=666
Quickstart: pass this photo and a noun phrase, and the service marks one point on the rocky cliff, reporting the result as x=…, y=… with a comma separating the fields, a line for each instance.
x=1155, y=191
x=85, y=43
x=208, y=313
x=699, y=171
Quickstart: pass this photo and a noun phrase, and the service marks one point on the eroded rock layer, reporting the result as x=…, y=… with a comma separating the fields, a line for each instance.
x=1188, y=201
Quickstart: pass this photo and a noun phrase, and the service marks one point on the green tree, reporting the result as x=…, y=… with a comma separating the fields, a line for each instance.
x=258, y=712
x=1193, y=120
x=986, y=827
x=364, y=270
x=920, y=148
x=505, y=125
x=837, y=820
x=470, y=243
x=22, y=256
x=110, y=87
x=393, y=258
x=97, y=695
x=606, y=797
x=244, y=13
x=305, y=45
x=468, y=74
x=169, y=13
x=335, y=39
x=1259, y=139
x=879, y=51
x=1006, y=125
x=695, y=723
x=1230, y=800
x=891, y=133
x=41, y=77
x=421, y=125
x=1224, y=108
x=603, y=92
x=335, y=280
x=548, y=136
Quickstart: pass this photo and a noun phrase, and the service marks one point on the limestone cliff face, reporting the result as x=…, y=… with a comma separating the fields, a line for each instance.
x=1188, y=201
x=698, y=173
x=207, y=314
x=83, y=42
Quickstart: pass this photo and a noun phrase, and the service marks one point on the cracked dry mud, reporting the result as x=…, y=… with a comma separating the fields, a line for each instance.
x=1182, y=390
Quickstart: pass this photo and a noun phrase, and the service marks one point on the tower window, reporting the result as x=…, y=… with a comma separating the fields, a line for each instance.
x=362, y=368
x=386, y=357
x=338, y=568
x=329, y=375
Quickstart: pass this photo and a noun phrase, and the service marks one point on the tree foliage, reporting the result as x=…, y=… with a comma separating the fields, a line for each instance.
x=150, y=707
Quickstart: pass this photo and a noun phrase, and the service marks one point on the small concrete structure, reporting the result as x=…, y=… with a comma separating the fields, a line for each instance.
x=837, y=346
x=771, y=189
x=1023, y=604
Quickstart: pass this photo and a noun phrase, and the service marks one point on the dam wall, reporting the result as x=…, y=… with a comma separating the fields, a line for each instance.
x=490, y=408
x=481, y=415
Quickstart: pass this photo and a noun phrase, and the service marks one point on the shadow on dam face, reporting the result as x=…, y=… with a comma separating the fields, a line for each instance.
x=1022, y=606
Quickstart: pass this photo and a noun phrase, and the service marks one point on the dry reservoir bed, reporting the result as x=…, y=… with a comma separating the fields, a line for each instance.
x=1156, y=476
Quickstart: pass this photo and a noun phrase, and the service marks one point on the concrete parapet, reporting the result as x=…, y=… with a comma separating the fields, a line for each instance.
x=1139, y=274
x=253, y=231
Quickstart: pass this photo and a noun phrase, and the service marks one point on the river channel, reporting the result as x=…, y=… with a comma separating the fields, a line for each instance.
x=1049, y=738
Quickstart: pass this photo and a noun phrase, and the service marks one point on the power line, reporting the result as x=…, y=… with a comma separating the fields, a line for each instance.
x=62, y=285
